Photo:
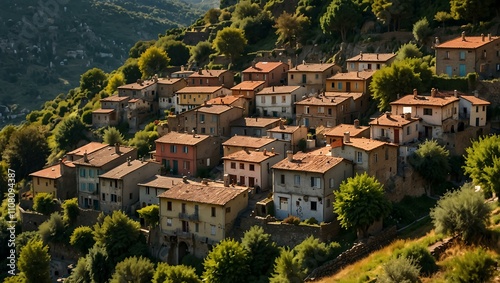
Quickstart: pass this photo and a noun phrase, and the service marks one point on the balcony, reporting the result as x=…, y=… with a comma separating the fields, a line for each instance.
x=191, y=217
x=183, y=234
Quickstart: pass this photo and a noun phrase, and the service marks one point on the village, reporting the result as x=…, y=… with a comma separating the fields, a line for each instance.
x=278, y=144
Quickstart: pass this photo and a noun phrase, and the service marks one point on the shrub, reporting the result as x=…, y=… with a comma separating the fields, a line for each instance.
x=399, y=270
x=421, y=256
x=44, y=203
x=292, y=220
x=311, y=221
x=474, y=266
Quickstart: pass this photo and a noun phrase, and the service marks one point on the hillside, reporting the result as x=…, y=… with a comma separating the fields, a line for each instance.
x=46, y=45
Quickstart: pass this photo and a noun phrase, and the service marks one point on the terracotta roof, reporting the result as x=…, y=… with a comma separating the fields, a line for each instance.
x=208, y=74
x=393, y=120
x=251, y=156
x=352, y=76
x=103, y=156
x=199, y=89
x=306, y=162
x=340, y=129
x=264, y=67
x=284, y=129
x=248, y=85
x=134, y=86
x=124, y=169
x=115, y=98
x=311, y=67
x=425, y=100
x=89, y=148
x=254, y=122
x=103, y=111
x=182, y=138
x=353, y=95
x=250, y=142
x=164, y=81
x=182, y=72
x=228, y=99
x=470, y=42
x=133, y=100
x=326, y=101
x=214, y=108
x=161, y=182
x=365, y=144
x=475, y=100
x=372, y=57
x=199, y=193
x=52, y=172
x=286, y=89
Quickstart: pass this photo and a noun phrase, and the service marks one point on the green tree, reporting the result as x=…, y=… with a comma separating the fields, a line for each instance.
x=442, y=17
x=116, y=80
x=52, y=230
x=177, y=51
x=93, y=80
x=5, y=135
x=212, y=16
x=290, y=28
x=87, y=117
x=462, y=212
x=144, y=141
x=99, y=264
x=112, y=136
x=133, y=269
x=140, y=47
x=482, y=163
x=421, y=31
x=175, y=274
x=399, y=270
x=227, y=262
x=475, y=266
x=262, y=251
x=80, y=273
x=286, y=269
x=311, y=253
x=408, y=50
x=421, y=256
x=341, y=16
x=471, y=10
x=246, y=9
x=255, y=28
x=360, y=202
x=34, y=262
x=44, y=203
x=23, y=239
x=153, y=61
x=131, y=72
x=151, y=214
x=430, y=160
x=82, y=239
x=27, y=143
x=230, y=42
x=392, y=11
x=70, y=210
x=69, y=132
x=200, y=52
x=120, y=237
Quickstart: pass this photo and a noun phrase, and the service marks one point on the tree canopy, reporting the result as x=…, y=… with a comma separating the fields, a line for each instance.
x=262, y=251
x=482, y=163
x=360, y=202
x=227, y=263
x=289, y=28
x=82, y=239
x=471, y=10
x=341, y=16
x=44, y=203
x=112, y=136
x=133, y=269
x=175, y=274
x=151, y=214
x=177, y=51
x=69, y=132
x=153, y=61
x=431, y=161
x=34, y=262
x=93, y=80
x=230, y=42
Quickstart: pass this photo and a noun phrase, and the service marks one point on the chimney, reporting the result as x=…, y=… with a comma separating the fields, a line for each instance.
x=388, y=114
x=356, y=123
x=415, y=93
x=436, y=41
x=253, y=64
x=272, y=149
x=282, y=127
x=194, y=133
x=482, y=37
x=433, y=92
x=182, y=68
x=455, y=93
x=200, y=71
x=117, y=148
x=397, y=96
x=463, y=35
x=290, y=64
x=85, y=157
x=204, y=181
x=357, y=73
x=265, y=151
x=408, y=116
x=476, y=93
x=489, y=36
x=128, y=161
x=273, y=88
x=361, y=55
x=185, y=179
x=226, y=180
x=289, y=155
x=347, y=137
x=377, y=56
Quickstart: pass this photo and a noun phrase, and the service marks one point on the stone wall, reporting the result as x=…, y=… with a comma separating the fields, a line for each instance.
x=355, y=253
x=30, y=220
x=409, y=184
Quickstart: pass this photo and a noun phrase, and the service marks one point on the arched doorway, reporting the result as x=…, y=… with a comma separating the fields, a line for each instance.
x=182, y=251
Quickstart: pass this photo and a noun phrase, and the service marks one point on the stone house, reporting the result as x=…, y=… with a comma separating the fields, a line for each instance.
x=289, y=133
x=273, y=73
x=336, y=134
x=254, y=127
x=88, y=148
x=312, y=76
x=473, y=110
x=151, y=188
x=369, y=61
x=397, y=129
x=202, y=77
x=237, y=143
x=58, y=180
x=189, y=97
x=313, y=112
x=166, y=89
x=278, y=101
x=248, y=90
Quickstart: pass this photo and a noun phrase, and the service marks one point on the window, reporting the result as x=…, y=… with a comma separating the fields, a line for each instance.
x=202, y=117
x=352, y=65
x=447, y=56
x=169, y=221
x=386, y=154
x=212, y=130
x=185, y=149
x=376, y=157
x=283, y=99
x=242, y=166
x=339, y=85
x=332, y=183
x=329, y=111
x=169, y=206
x=113, y=198
x=283, y=110
x=291, y=77
x=428, y=111
x=477, y=109
x=283, y=203
x=173, y=148
x=212, y=230
x=82, y=172
x=103, y=197
x=252, y=167
x=187, y=165
x=131, y=196
x=263, y=99
x=462, y=55
x=213, y=212
x=306, y=109
x=359, y=157
x=273, y=99
x=228, y=209
x=282, y=179
x=197, y=227
x=304, y=78
x=408, y=130
x=233, y=165
x=91, y=173
x=315, y=182
x=484, y=108
x=183, y=208
x=91, y=187
x=314, y=206
x=296, y=180
x=321, y=109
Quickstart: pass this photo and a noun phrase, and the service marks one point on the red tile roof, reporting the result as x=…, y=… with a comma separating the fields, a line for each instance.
x=103, y=156
x=322, y=101
x=135, y=86
x=161, y=182
x=475, y=100
x=311, y=67
x=307, y=162
x=124, y=169
x=340, y=129
x=164, y=81
x=366, y=144
x=393, y=120
x=254, y=122
x=286, y=89
x=372, y=57
x=182, y=138
x=352, y=76
x=248, y=85
x=208, y=74
x=89, y=148
x=284, y=129
x=199, y=89
x=250, y=142
x=228, y=100
x=52, y=172
x=470, y=42
x=103, y=111
x=353, y=95
x=251, y=155
x=115, y=98
x=264, y=67
x=214, y=108
x=199, y=193
x=425, y=100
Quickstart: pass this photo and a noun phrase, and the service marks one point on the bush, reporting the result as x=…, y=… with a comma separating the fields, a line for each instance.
x=474, y=266
x=311, y=221
x=53, y=229
x=399, y=270
x=421, y=256
x=44, y=203
x=292, y=220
